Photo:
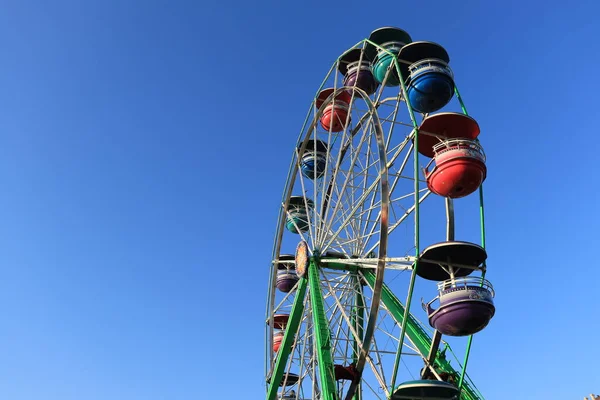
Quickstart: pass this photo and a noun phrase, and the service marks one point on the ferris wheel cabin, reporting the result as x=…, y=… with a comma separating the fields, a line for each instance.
x=347, y=373
x=466, y=304
x=291, y=395
x=336, y=113
x=429, y=79
x=280, y=321
x=355, y=66
x=277, y=338
x=286, y=273
x=297, y=219
x=289, y=379
x=391, y=40
x=314, y=159
x=450, y=140
x=425, y=389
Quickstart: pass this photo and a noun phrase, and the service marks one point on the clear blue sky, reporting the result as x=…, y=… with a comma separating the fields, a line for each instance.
x=144, y=147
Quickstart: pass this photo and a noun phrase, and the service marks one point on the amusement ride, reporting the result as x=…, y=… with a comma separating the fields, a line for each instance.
x=376, y=147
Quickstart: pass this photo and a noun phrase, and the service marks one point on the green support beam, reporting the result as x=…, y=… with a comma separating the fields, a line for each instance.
x=358, y=321
x=288, y=338
x=322, y=335
x=418, y=336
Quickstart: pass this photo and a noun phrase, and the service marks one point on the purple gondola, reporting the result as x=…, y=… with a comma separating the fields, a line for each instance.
x=286, y=273
x=466, y=306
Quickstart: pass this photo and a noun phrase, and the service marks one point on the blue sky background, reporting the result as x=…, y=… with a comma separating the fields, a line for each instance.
x=144, y=148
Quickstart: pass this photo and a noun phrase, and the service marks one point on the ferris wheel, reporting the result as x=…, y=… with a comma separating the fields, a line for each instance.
x=375, y=148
